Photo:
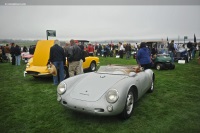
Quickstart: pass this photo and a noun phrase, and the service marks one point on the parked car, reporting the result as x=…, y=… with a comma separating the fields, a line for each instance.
x=112, y=90
x=26, y=56
x=37, y=66
x=182, y=53
x=160, y=56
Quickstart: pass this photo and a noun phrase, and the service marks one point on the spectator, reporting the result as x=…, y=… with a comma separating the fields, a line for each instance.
x=189, y=46
x=194, y=50
x=99, y=49
x=144, y=57
x=74, y=57
x=12, y=52
x=128, y=51
x=25, y=49
x=57, y=58
x=154, y=50
x=90, y=49
x=83, y=57
x=17, y=52
x=7, y=53
x=171, y=50
x=32, y=49
x=121, y=50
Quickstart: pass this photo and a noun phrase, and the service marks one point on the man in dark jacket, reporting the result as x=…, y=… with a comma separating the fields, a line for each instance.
x=12, y=52
x=172, y=50
x=17, y=52
x=74, y=56
x=57, y=58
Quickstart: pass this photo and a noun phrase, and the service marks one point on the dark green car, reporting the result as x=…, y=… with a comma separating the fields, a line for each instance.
x=162, y=61
x=160, y=55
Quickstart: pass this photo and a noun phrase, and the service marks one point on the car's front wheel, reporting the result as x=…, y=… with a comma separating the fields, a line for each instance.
x=92, y=66
x=172, y=66
x=129, y=105
x=159, y=66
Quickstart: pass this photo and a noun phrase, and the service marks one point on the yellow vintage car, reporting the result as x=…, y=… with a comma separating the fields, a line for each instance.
x=37, y=65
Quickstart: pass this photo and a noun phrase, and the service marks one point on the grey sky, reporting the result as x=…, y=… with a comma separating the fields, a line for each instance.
x=99, y=22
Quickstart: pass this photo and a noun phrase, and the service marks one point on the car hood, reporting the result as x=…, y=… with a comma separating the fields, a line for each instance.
x=93, y=86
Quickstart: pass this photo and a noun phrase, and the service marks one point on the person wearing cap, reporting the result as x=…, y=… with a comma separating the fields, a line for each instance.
x=144, y=57
x=57, y=58
x=74, y=56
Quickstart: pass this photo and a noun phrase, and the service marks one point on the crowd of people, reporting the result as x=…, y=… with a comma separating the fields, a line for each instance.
x=76, y=52
x=12, y=53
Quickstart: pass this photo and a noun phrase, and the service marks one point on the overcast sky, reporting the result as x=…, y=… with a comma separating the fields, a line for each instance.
x=99, y=22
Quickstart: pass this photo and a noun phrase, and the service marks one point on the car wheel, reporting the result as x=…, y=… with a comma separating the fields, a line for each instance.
x=129, y=105
x=92, y=66
x=151, y=89
x=159, y=66
x=172, y=66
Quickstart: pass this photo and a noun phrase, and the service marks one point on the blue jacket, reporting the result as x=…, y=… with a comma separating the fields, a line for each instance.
x=143, y=56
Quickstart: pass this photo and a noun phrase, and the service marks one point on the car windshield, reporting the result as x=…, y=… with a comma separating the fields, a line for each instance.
x=115, y=70
x=162, y=48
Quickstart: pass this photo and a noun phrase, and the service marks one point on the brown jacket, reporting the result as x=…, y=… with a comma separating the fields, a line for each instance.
x=7, y=49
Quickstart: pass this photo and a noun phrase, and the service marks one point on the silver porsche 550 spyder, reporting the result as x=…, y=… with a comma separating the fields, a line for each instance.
x=112, y=90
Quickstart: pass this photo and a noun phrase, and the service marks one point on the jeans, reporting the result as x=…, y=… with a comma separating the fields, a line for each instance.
x=17, y=60
x=128, y=54
x=193, y=53
x=171, y=54
x=59, y=66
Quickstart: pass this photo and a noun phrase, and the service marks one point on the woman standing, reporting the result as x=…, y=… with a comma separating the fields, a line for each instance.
x=144, y=57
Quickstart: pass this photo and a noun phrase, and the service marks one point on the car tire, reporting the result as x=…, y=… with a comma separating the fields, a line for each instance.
x=159, y=66
x=151, y=89
x=129, y=105
x=172, y=66
x=92, y=66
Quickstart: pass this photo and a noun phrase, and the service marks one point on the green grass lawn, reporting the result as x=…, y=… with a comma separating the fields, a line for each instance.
x=29, y=105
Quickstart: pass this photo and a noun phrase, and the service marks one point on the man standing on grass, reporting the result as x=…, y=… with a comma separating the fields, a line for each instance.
x=57, y=58
x=74, y=56
x=171, y=50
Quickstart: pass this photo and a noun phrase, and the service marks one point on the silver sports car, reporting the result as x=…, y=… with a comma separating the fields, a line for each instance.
x=112, y=90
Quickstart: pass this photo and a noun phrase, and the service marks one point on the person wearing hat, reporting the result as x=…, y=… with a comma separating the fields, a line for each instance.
x=144, y=57
x=57, y=58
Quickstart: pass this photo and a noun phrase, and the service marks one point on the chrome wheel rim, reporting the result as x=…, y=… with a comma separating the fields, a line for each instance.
x=129, y=103
x=93, y=66
x=152, y=84
x=158, y=67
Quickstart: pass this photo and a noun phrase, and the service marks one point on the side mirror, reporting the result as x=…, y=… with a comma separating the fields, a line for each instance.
x=132, y=74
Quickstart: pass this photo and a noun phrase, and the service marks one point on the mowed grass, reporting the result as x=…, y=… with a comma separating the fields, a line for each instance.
x=29, y=105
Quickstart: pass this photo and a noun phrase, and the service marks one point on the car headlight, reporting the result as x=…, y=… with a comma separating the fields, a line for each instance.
x=62, y=87
x=112, y=96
